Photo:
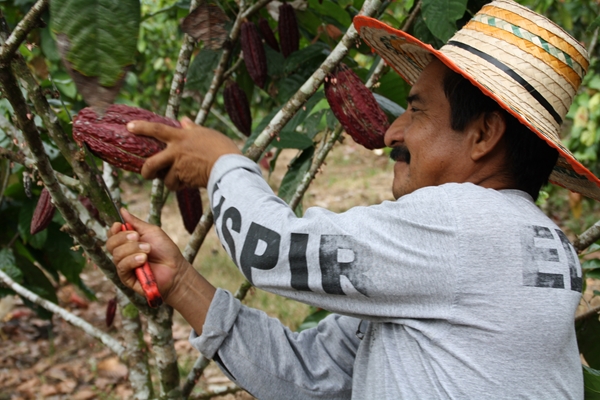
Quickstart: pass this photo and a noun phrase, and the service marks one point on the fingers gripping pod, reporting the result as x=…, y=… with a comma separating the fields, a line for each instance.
x=146, y=278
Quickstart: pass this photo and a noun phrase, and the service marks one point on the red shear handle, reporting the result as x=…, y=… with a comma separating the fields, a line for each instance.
x=146, y=278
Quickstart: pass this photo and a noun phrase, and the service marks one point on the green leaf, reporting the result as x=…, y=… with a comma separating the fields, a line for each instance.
x=594, y=25
x=36, y=281
x=295, y=173
x=259, y=128
x=591, y=383
x=201, y=70
x=25, y=215
x=58, y=255
x=245, y=81
x=588, y=332
x=330, y=9
x=393, y=87
x=8, y=265
x=440, y=16
x=101, y=34
x=275, y=63
x=391, y=109
x=292, y=140
x=313, y=319
x=308, y=58
x=590, y=264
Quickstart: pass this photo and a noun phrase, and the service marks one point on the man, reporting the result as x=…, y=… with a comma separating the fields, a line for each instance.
x=461, y=288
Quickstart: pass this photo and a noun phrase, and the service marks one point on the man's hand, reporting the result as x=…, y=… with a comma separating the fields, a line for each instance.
x=130, y=249
x=189, y=156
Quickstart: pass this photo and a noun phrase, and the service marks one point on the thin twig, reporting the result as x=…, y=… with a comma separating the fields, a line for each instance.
x=588, y=314
x=227, y=123
x=26, y=25
x=107, y=340
x=173, y=104
x=217, y=80
x=266, y=136
x=76, y=228
x=587, y=238
x=215, y=393
x=233, y=68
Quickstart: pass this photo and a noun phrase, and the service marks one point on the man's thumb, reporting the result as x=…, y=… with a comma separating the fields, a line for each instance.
x=138, y=225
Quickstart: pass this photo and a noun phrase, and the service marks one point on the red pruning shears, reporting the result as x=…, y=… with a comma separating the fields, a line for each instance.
x=144, y=273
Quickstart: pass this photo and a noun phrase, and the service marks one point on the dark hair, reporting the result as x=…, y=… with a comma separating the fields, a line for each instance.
x=529, y=159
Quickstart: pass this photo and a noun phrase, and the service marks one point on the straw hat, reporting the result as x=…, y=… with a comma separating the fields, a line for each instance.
x=521, y=59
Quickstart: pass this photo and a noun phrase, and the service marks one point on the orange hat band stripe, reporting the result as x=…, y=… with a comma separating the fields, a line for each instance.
x=557, y=65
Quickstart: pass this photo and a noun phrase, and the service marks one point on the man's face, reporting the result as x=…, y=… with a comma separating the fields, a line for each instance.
x=427, y=151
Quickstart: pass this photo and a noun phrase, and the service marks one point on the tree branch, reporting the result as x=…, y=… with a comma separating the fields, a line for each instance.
x=26, y=25
x=41, y=162
x=265, y=137
x=107, y=340
x=157, y=198
x=587, y=238
x=588, y=314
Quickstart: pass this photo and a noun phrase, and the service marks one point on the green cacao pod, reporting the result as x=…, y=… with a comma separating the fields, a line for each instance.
x=108, y=138
x=190, y=207
x=254, y=53
x=238, y=107
x=289, y=34
x=44, y=211
x=354, y=105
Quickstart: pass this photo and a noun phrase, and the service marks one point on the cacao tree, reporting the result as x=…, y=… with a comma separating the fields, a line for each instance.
x=257, y=70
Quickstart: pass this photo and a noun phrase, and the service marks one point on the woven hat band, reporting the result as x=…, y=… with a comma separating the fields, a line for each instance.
x=514, y=75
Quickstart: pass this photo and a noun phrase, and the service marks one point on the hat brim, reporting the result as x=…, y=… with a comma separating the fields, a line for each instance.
x=408, y=56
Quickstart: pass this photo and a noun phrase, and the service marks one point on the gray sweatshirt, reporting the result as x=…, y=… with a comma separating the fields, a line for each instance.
x=450, y=292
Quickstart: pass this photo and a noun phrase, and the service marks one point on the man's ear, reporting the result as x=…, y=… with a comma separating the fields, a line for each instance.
x=487, y=132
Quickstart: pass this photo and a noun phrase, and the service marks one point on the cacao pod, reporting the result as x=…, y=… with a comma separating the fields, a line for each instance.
x=44, y=211
x=354, y=105
x=111, y=310
x=254, y=53
x=237, y=107
x=289, y=34
x=267, y=33
x=108, y=138
x=190, y=207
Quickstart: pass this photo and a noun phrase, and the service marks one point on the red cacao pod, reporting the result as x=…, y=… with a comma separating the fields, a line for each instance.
x=289, y=34
x=190, y=207
x=254, y=53
x=108, y=137
x=44, y=211
x=354, y=105
x=111, y=310
x=267, y=33
x=237, y=107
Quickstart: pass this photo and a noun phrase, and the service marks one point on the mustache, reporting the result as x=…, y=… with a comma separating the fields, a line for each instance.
x=400, y=153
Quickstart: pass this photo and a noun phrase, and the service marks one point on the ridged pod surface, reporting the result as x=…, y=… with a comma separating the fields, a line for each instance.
x=289, y=34
x=111, y=310
x=108, y=137
x=238, y=107
x=254, y=53
x=355, y=107
x=267, y=33
x=44, y=211
x=190, y=207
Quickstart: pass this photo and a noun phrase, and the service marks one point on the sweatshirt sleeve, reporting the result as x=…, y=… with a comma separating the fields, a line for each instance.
x=379, y=263
x=272, y=362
